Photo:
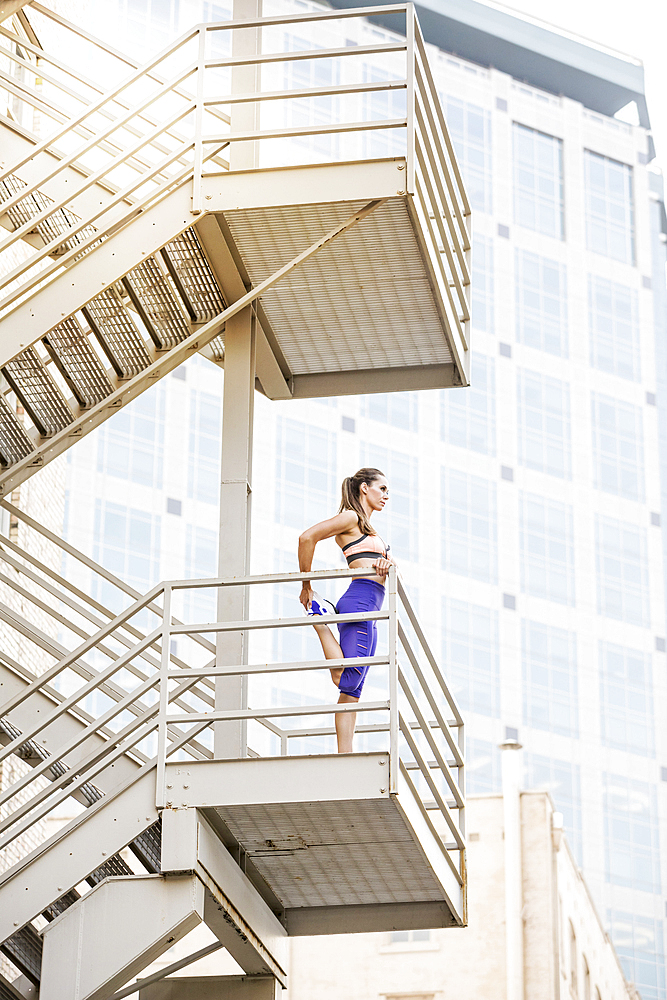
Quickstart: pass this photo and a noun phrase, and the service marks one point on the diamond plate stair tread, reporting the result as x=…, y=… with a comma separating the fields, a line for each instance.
x=363, y=301
x=333, y=853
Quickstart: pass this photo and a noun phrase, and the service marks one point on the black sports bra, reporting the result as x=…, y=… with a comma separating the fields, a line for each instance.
x=361, y=548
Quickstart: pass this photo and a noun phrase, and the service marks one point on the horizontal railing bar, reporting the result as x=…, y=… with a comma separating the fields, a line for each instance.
x=348, y=50
x=449, y=819
x=277, y=712
x=270, y=668
x=96, y=236
x=89, y=564
x=428, y=733
x=308, y=130
x=435, y=708
x=414, y=621
x=293, y=94
x=56, y=697
x=249, y=581
x=324, y=15
x=429, y=822
x=248, y=626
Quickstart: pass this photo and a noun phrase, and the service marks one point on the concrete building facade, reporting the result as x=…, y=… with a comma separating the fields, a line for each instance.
x=566, y=952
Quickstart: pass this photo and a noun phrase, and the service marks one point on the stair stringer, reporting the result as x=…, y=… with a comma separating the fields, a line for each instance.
x=77, y=850
x=16, y=144
x=74, y=286
x=106, y=938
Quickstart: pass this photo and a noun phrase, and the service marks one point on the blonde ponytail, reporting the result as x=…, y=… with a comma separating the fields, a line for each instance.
x=351, y=496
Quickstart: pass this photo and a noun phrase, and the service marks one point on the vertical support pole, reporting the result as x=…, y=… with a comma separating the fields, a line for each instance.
x=198, y=165
x=410, y=98
x=393, y=681
x=231, y=692
x=245, y=80
x=160, y=790
x=511, y=776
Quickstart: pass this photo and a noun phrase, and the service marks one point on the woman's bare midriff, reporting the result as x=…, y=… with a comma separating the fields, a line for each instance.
x=365, y=564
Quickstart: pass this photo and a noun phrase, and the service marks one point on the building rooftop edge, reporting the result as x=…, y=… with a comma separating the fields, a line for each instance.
x=529, y=51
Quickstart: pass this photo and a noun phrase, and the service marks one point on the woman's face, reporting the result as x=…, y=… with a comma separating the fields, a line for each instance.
x=376, y=493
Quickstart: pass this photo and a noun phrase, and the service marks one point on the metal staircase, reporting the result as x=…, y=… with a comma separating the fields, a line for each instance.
x=161, y=217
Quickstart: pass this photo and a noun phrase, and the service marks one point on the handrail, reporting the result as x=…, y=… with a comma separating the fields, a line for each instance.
x=432, y=172
x=423, y=742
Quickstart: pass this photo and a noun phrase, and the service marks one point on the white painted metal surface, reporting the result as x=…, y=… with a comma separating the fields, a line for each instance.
x=99, y=306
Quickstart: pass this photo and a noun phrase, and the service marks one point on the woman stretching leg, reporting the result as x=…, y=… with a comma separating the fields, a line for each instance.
x=362, y=495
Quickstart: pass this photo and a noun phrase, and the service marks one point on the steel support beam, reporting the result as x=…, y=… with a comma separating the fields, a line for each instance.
x=235, y=511
x=234, y=910
x=115, y=931
x=214, y=988
x=75, y=851
x=9, y=7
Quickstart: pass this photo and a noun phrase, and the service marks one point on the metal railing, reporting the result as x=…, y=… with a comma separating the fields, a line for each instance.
x=167, y=123
x=154, y=707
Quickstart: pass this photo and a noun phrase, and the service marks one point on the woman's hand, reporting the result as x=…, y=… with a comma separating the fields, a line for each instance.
x=381, y=567
x=306, y=596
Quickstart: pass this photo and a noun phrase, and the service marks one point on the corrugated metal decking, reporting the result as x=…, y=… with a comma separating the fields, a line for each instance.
x=362, y=302
x=333, y=853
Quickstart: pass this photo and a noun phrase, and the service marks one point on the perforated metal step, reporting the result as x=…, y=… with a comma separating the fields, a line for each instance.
x=193, y=277
x=59, y=223
x=157, y=304
x=38, y=393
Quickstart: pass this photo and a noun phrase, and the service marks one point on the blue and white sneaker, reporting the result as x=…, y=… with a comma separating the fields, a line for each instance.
x=320, y=606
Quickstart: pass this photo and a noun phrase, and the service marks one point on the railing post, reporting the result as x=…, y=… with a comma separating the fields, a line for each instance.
x=198, y=165
x=160, y=790
x=393, y=682
x=410, y=16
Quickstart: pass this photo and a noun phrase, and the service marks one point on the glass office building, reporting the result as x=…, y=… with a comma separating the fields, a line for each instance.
x=525, y=511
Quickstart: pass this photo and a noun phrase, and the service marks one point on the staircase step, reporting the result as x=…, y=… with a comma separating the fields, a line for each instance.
x=38, y=393
x=15, y=442
x=59, y=223
x=24, y=950
x=118, y=336
x=77, y=362
x=157, y=304
x=193, y=277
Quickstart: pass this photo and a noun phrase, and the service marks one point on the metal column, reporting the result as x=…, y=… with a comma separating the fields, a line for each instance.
x=237, y=422
x=235, y=504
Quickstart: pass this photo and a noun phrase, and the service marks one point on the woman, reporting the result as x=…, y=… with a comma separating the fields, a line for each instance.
x=362, y=495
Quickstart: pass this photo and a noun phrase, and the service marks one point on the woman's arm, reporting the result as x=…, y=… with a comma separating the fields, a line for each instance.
x=337, y=525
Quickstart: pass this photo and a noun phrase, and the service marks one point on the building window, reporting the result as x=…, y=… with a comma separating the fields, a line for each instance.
x=401, y=516
x=305, y=473
x=482, y=767
x=639, y=945
x=632, y=846
x=574, y=961
x=538, y=181
x=204, y=451
x=469, y=522
x=409, y=937
x=301, y=74
x=609, y=207
x=549, y=678
x=620, y=550
x=544, y=424
x=547, y=549
x=613, y=321
x=626, y=699
x=618, y=447
x=201, y=560
x=472, y=657
x=127, y=543
x=131, y=446
x=562, y=779
x=397, y=409
x=470, y=130
x=468, y=416
x=541, y=303
x=481, y=282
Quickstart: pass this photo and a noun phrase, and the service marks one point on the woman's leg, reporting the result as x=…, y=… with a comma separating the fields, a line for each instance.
x=331, y=649
x=345, y=724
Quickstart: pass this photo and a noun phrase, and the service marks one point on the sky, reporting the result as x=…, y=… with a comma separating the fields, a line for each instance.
x=636, y=27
